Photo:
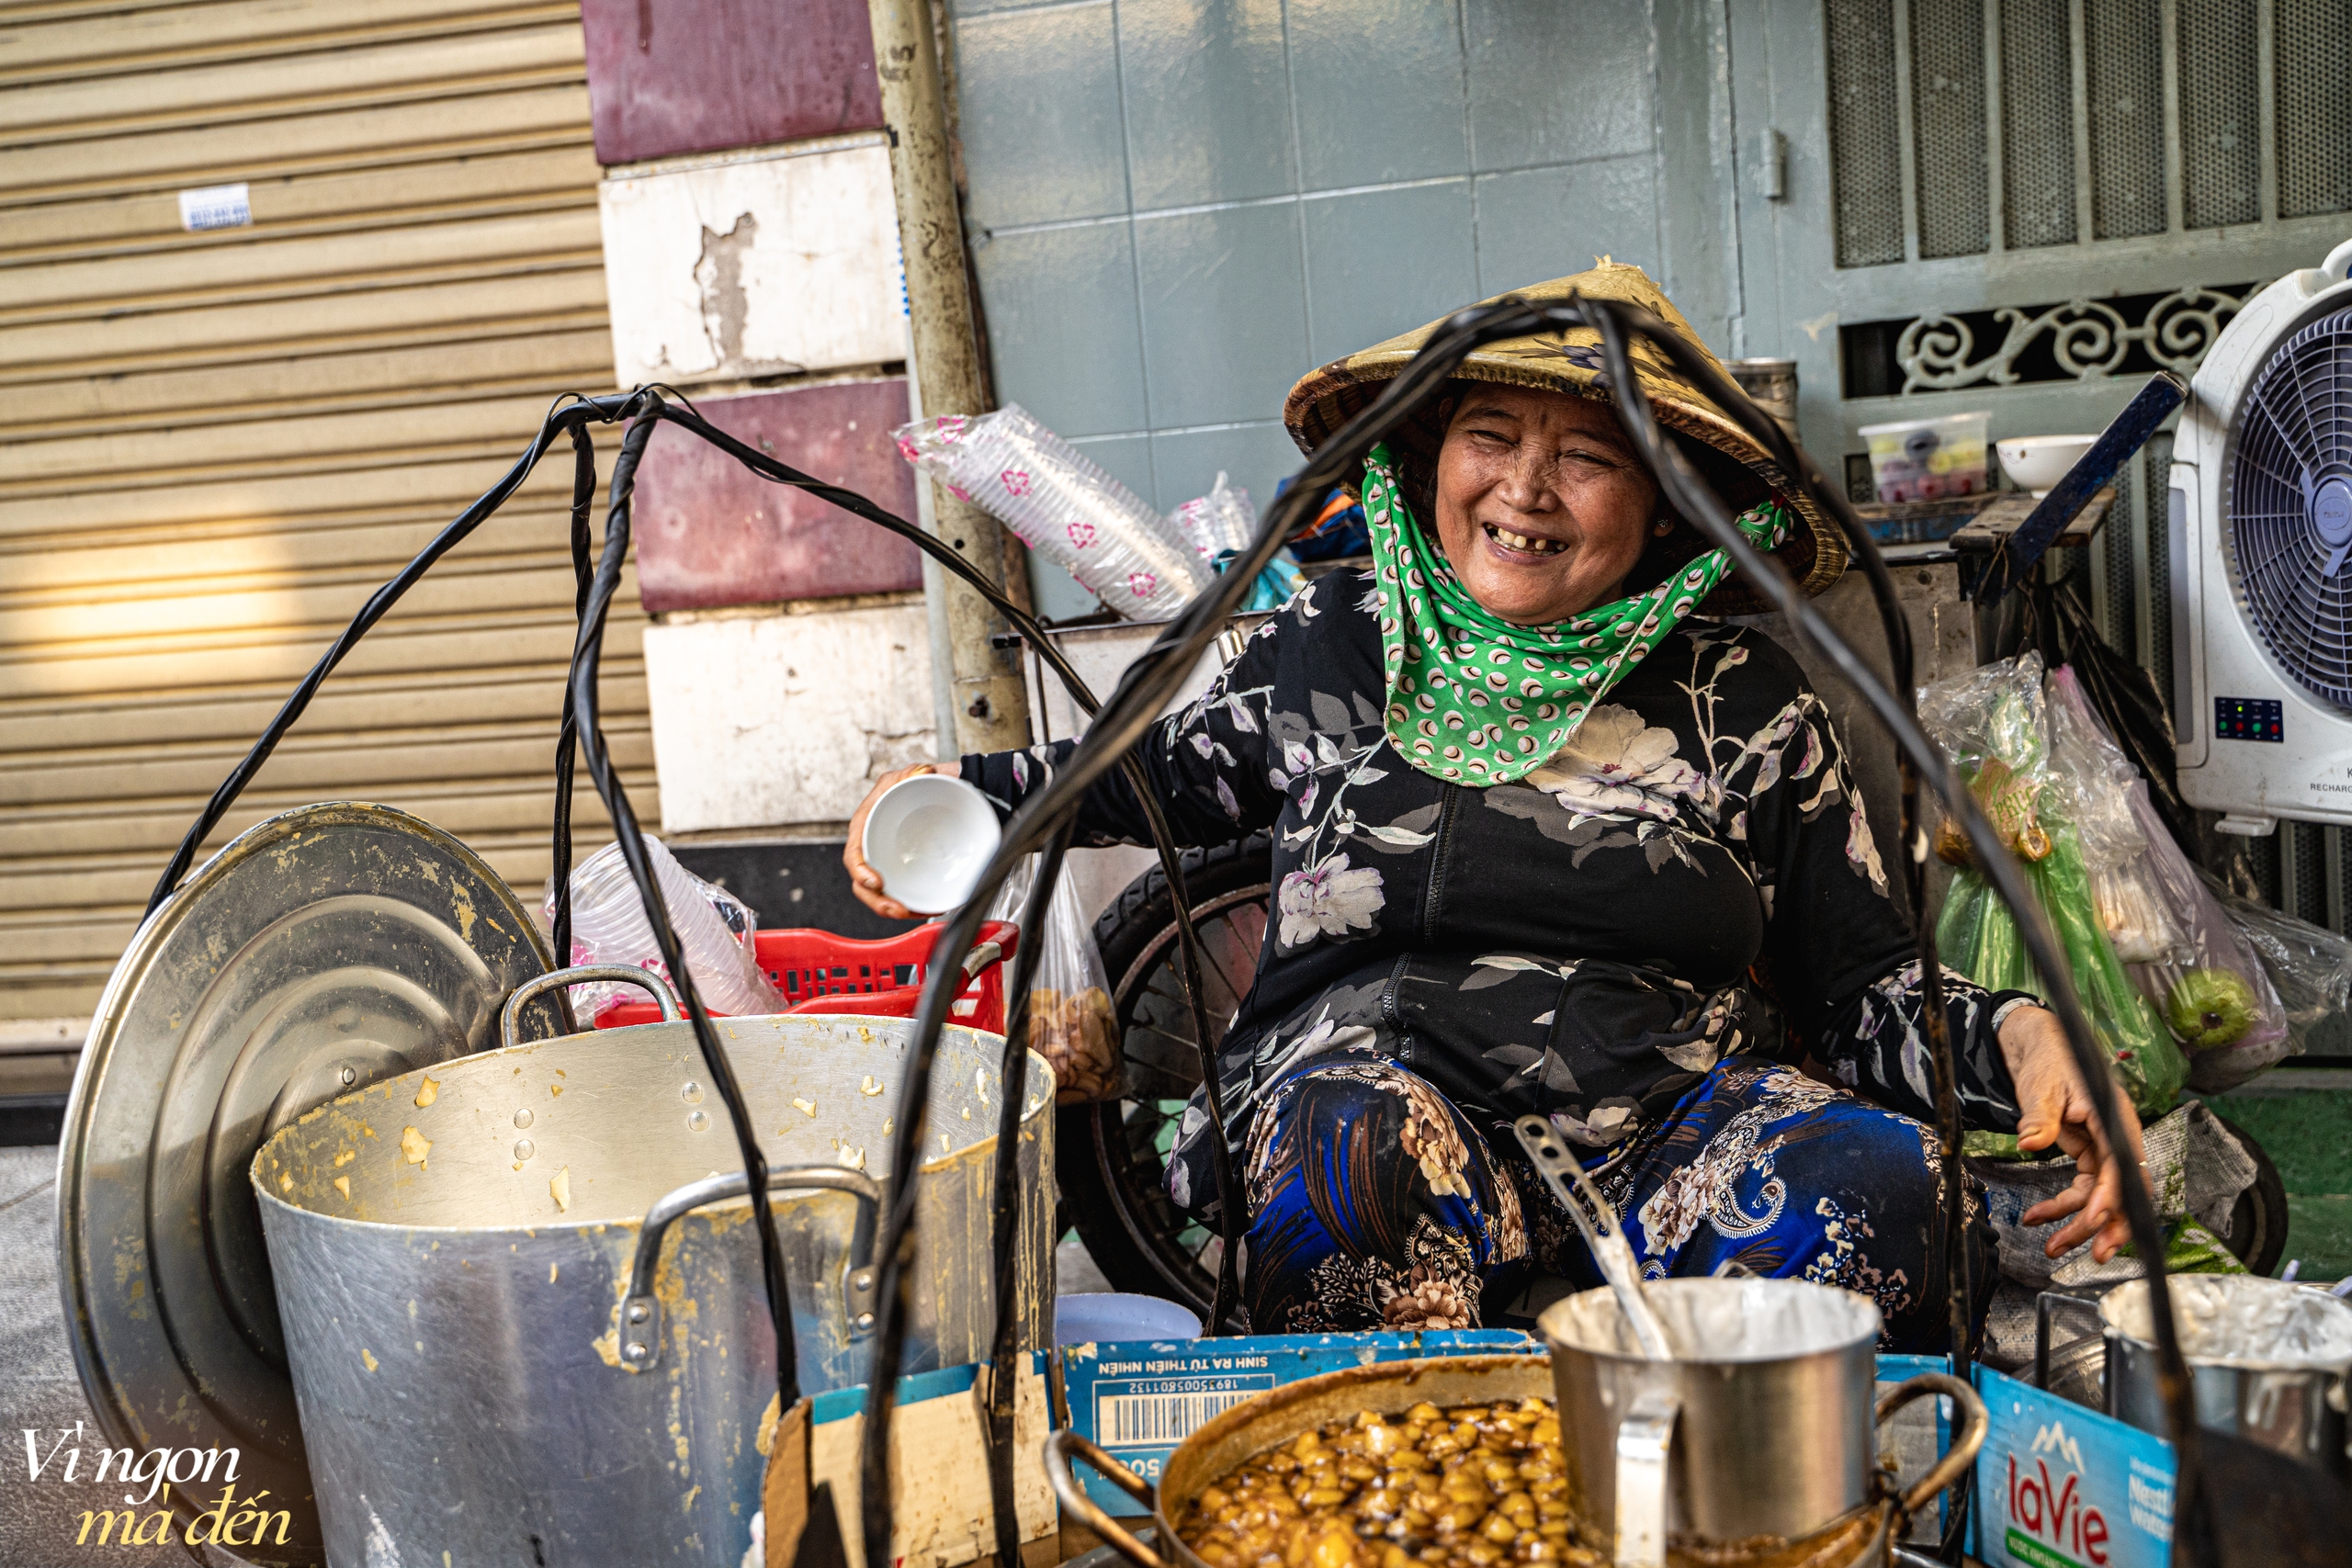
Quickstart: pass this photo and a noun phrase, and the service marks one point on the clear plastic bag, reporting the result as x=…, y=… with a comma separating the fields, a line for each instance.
x=1219, y=522
x=2219, y=1001
x=1220, y=526
x=2208, y=985
x=1070, y=1023
x=714, y=927
x=2309, y=967
x=1995, y=724
x=1990, y=722
x=1061, y=506
x=2097, y=779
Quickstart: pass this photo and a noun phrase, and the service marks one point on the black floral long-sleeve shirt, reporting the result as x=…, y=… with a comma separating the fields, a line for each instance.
x=1691, y=876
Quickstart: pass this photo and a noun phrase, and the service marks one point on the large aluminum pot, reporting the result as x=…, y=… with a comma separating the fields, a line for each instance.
x=522, y=1300
x=1767, y=1435
x=2269, y=1361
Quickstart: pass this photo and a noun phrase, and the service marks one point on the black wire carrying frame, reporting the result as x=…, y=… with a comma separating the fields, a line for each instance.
x=1046, y=821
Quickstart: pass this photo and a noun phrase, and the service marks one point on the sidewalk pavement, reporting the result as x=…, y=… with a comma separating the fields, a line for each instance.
x=40, y=1390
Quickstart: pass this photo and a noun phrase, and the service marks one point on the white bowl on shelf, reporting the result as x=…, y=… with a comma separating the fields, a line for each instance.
x=2038, y=462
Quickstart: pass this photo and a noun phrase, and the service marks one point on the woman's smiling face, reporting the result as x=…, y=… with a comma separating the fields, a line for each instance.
x=1541, y=506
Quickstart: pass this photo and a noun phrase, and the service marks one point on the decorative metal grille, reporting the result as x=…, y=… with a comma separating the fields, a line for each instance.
x=2082, y=338
x=2220, y=113
x=1948, y=112
x=2155, y=482
x=2109, y=129
x=2264, y=855
x=2119, y=565
x=2125, y=74
x=1865, y=132
x=2306, y=888
x=2315, y=107
x=2038, y=123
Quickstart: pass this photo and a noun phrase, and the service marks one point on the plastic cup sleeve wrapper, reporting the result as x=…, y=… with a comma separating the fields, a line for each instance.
x=610, y=926
x=1062, y=506
x=1220, y=521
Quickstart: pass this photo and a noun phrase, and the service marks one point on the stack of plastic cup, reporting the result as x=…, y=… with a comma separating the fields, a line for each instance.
x=610, y=926
x=1220, y=521
x=1061, y=506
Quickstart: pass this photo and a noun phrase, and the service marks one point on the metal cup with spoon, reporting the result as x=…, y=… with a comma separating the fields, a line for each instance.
x=1738, y=1411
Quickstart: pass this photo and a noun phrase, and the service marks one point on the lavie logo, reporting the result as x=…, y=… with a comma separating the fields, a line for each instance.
x=2050, y=1525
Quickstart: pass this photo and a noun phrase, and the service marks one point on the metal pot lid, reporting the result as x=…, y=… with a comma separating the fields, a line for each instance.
x=320, y=951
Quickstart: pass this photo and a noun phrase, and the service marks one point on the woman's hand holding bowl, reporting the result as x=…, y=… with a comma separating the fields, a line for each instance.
x=863, y=880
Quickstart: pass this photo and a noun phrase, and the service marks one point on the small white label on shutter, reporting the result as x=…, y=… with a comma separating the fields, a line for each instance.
x=216, y=206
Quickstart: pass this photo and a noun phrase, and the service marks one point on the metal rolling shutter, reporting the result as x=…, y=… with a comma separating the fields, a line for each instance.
x=216, y=444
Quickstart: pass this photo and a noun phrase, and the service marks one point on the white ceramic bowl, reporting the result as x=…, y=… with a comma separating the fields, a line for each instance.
x=929, y=837
x=2038, y=462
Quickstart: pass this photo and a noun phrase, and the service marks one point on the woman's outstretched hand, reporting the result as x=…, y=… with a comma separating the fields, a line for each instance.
x=863, y=880
x=2056, y=1109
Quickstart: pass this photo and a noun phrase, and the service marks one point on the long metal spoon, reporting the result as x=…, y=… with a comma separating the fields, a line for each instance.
x=1597, y=1222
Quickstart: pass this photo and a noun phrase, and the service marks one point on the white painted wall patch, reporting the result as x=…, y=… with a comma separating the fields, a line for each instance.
x=216, y=206
x=759, y=268
x=773, y=720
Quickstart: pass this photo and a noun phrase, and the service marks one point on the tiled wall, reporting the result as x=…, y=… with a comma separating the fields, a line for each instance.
x=1179, y=206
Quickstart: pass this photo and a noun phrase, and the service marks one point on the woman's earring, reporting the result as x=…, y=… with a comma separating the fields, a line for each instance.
x=1662, y=527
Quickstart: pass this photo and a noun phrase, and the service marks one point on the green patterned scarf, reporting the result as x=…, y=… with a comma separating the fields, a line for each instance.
x=1475, y=700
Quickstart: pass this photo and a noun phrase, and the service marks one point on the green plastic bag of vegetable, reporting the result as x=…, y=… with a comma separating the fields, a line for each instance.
x=1993, y=723
x=1979, y=937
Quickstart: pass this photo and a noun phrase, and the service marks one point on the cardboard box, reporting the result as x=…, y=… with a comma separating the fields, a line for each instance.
x=1138, y=1399
x=2061, y=1485
x=942, y=1511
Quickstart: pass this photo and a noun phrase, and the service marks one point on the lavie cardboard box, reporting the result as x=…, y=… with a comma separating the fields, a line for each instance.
x=2061, y=1485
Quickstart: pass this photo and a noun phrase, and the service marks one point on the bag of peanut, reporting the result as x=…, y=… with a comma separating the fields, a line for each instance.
x=1070, y=1022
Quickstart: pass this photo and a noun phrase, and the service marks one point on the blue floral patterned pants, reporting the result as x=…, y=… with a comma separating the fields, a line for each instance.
x=1374, y=1203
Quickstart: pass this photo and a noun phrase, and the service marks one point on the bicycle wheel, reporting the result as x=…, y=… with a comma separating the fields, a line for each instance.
x=1112, y=1157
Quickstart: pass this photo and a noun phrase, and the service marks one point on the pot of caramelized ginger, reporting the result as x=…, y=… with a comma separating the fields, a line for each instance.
x=1453, y=1461
x=1467, y=1486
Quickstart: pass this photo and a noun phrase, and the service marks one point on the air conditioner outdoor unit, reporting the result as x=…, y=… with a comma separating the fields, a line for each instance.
x=2260, y=532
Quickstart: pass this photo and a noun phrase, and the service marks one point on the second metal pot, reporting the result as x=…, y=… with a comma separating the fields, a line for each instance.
x=2290, y=1401
x=1734, y=1444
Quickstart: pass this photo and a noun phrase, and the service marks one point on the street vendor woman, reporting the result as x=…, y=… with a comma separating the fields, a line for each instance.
x=1545, y=840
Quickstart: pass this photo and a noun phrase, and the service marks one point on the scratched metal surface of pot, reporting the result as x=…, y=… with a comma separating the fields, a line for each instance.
x=323, y=949
x=454, y=1262
x=1762, y=1444
x=2288, y=1398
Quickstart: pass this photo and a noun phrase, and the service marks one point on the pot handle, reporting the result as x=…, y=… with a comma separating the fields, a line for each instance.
x=510, y=1017
x=2045, y=1306
x=1645, y=1440
x=1064, y=1446
x=1976, y=1421
x=640, y=1336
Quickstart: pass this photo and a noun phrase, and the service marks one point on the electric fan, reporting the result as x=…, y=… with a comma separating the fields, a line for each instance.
x=2260, y=534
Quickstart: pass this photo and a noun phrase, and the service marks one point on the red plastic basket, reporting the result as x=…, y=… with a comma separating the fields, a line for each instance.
x=819, y=972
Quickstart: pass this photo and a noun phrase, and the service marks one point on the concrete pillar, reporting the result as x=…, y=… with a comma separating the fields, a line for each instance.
x=990, y=701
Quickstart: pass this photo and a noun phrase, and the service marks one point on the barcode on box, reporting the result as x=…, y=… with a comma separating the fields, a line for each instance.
x=1130, y=1418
